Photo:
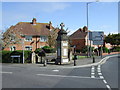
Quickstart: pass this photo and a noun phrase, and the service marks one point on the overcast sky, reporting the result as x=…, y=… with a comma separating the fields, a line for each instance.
x=103, y=16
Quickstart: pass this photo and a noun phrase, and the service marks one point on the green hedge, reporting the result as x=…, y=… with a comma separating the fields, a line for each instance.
x=115, y=49
x=6, y=56
x=85, y=49
x=105, y=50
x=78, y=50
x=40, y=52
x=0, y=56
x=45, y=49
x=48, y=49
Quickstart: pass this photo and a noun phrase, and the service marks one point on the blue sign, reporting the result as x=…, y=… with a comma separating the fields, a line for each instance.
x=97, y=37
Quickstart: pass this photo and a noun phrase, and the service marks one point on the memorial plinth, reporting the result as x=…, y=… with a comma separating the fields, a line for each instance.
x=62, y=46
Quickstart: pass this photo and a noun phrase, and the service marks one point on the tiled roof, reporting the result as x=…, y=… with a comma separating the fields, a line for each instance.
x=79, y=34
x=33, y=29
x=28, y=28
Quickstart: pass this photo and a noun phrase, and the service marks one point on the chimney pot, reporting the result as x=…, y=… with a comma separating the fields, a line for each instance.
x=34, y=21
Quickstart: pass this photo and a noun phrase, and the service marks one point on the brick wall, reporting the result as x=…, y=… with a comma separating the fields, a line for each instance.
x=80, y=43
x=28, y=43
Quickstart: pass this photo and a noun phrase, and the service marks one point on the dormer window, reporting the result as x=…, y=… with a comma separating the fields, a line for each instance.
x=28, y=38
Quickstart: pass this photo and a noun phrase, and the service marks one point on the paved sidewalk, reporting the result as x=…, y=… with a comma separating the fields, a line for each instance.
x=79, y=62
x=84, y=62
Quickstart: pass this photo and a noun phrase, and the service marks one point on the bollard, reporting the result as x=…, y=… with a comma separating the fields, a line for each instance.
x=74, y=62
x=75, y=57
x=45, y=63
x=93, y=59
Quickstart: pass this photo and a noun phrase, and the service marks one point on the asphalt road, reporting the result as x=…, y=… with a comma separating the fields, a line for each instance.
x=33, y=76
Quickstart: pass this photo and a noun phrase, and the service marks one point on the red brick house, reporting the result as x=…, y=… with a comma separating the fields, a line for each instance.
x=79, y=38
x=32, y=34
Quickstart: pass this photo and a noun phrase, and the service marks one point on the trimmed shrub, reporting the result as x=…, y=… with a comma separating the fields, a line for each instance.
x=0, y=56
x=115, y=49
x=48, y=49
x=28, y=56
x=84, y=50
x=92, y=49
x=105, y=50
x=40, y=52
x=78, y=50
x=6, y=56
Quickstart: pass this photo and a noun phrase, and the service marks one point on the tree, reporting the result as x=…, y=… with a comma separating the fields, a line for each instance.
x=113, y=39
x=52, y=37
x=11, y=37
x=1, y=42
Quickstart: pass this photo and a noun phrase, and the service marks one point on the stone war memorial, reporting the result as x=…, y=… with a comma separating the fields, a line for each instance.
x=62, y=46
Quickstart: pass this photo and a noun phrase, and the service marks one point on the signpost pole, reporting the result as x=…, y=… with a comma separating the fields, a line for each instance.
x=101, y=51
x=90, y=49
x=97, y=38
x=23, y=50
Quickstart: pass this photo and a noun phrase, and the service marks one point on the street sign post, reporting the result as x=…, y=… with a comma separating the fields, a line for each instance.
x=97, y=38
x=97, y=42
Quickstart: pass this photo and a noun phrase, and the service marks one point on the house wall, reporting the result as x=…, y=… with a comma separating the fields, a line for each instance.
x=79, y=43
x=28, y=43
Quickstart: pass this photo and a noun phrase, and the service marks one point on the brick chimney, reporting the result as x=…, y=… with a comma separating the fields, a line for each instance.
x=85, y=29
x=34, y=21
x=81, y=30
x=50, y=24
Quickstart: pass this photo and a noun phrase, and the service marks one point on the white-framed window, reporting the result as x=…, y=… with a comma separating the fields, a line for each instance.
x=12, y=39
x=41, y=46
x=12, y=48
x=28, y=38
x=43, y=38
x=28, y=48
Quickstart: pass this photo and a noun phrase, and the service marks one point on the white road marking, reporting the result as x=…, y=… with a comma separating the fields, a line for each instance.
x=92, y=76
x=93, y=67
x=99, y=73
x=108, y=87
x=101, y=77
x=55, y=70
x=104, y=81
x=93, y=73
x=6, y=72
x=64, y=76
x=99, y=66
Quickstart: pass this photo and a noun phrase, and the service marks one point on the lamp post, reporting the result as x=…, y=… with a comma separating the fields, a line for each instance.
x=88, y=52
x=23, y=47
x=23, y=50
